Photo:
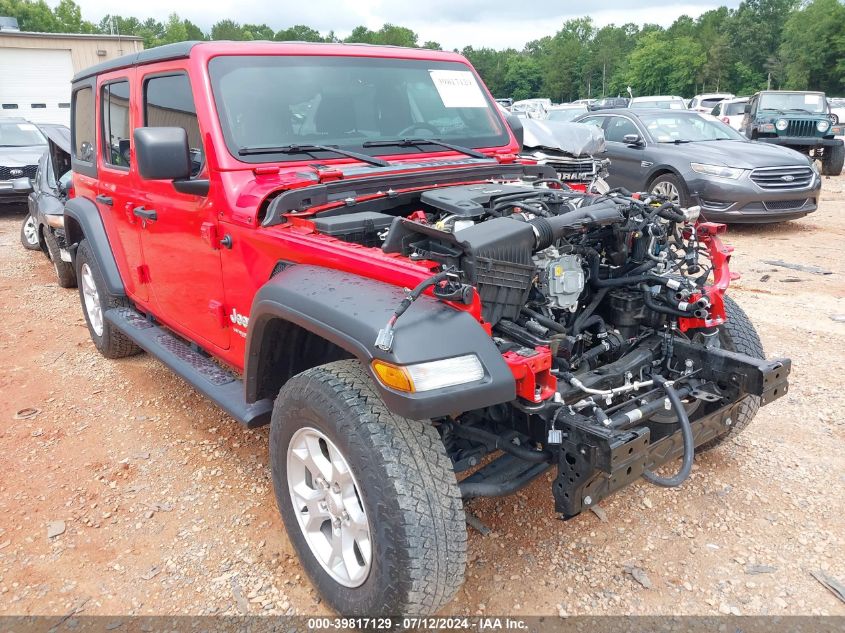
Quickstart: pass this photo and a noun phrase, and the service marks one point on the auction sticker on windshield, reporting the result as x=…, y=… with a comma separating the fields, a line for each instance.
x=458, y=89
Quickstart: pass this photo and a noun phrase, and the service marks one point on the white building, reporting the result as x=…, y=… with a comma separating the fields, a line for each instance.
x=36, y=68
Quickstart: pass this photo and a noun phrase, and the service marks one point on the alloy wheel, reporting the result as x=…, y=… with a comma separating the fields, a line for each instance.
x=668, y=190
x=93, y=307
x=328, y=506
x=30, y=231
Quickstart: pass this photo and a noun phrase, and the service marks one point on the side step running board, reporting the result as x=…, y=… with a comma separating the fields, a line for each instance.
x=206, y=376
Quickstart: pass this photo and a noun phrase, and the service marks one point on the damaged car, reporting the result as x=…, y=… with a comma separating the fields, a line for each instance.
x=573, y=150
x=50, y=189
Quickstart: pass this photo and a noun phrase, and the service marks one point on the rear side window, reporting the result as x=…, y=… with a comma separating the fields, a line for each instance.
x=169, y=102
x=115, y=111
x=83, y=124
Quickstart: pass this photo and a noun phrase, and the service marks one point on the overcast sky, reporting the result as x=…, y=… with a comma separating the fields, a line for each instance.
x=453, y=23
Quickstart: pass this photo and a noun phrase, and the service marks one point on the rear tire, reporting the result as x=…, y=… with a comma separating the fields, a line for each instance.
x=64, y=270
x=834, y=160
x=29, y=234
x=111, y=342
x=414, y=559
x=738, y=335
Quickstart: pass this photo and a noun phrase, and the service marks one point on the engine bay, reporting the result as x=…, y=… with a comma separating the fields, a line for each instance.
x=607, y=308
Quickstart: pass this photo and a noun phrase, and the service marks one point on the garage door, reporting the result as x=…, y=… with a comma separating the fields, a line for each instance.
x=35, y=84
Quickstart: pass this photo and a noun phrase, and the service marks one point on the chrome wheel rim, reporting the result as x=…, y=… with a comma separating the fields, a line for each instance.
x=92, y=300
x=30, y=231
x=668, y=190
x=329, y=509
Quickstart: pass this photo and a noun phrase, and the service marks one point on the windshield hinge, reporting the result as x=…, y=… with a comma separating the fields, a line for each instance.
x=328, y=174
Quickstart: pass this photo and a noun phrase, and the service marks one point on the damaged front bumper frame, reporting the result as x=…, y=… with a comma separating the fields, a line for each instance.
x=595, y=461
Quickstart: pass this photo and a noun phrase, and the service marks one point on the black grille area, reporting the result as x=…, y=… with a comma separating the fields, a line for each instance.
x=801, y=127
x=573, y=169
x=28, y=172
x=784, y=205
x=783, y=178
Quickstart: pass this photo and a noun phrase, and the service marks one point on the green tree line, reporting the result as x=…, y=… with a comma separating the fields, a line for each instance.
x=789, y=44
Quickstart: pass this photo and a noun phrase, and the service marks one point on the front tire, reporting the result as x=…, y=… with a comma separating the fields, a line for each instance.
x=672, y=187
x=738, y=335
x=833, y=161
x=29, y=234
x=369, y=499
x=65, y=272
x=109, y=341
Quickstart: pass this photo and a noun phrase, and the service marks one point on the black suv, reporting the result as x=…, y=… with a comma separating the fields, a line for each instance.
x=798, y=120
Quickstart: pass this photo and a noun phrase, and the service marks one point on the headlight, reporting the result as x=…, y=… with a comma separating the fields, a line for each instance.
x=782, y=124
x=823, y=125
x=436, y=374
x=717, y=170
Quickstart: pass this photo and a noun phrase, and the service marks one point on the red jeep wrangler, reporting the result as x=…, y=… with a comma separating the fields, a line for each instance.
x=254, y=215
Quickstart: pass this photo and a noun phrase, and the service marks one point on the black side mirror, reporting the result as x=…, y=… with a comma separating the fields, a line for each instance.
x=515, y=124
x=22, y=185
x=747, y=108
x=633, y=139
x=162, y=153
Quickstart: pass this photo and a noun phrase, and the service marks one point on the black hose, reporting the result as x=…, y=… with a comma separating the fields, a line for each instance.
x=651, y=304
x=498, y=442
x=549, y=230
x=471, y=489
x=577, y=328
x=419, y=289
x=588, y=310
x=667, y=212
x=544, y=320
x=616, y=282
x=686, y=433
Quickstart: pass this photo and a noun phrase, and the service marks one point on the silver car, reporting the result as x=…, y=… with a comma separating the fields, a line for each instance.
x=694, y=158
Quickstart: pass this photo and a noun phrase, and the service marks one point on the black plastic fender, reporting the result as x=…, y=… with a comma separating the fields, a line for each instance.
x=85, y=222
x=349, y=310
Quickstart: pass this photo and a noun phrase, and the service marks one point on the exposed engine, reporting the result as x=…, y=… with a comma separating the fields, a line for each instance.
x=607, y=310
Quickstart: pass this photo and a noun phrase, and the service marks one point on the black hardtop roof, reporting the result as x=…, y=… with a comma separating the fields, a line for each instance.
x=180, y=50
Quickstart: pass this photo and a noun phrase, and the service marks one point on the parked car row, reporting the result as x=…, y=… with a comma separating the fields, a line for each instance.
x=35, y=169
x=689, y=157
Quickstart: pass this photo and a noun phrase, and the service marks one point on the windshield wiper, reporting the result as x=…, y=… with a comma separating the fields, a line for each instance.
x=310, y=149
x=414, y=142
x=800, y=110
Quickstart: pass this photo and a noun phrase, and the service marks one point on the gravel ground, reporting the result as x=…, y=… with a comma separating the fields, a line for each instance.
x=128, y=493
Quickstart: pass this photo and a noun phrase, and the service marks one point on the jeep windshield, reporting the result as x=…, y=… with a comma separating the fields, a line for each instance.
x=350, y=103
x=812, y=102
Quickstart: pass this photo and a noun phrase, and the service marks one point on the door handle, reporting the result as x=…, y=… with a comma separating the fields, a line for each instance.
x=107, y=200
x=148, y=215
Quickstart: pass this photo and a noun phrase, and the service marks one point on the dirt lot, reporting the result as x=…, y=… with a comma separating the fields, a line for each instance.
x=166, y=505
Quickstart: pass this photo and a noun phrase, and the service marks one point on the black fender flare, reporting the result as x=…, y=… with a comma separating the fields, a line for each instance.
x=82, y=220
x=349, y=310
